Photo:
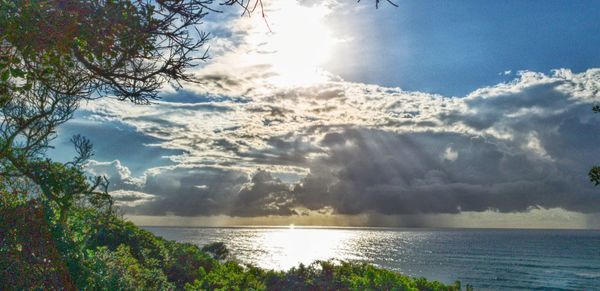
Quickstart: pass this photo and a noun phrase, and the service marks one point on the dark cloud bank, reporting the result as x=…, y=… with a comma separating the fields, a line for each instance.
x=508, y=148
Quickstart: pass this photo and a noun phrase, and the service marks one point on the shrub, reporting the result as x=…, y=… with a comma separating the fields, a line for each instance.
x=98, y=251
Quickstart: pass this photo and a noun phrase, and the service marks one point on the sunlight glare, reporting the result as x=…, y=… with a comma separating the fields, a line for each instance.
x=298, y=45
x=289, y=247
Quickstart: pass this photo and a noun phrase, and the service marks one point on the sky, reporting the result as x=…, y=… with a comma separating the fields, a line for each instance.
x=431, y=114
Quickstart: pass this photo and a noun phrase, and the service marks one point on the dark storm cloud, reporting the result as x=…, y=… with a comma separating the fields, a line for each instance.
x=508, y=148
x=387, y=173
x=265, y=195
x=538, y=102
x=209, y=191
x=191, y=97
x=370, y=171
x=192, y=191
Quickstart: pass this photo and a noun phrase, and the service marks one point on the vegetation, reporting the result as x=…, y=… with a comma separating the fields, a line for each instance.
x=594, y=173
x=104, y=252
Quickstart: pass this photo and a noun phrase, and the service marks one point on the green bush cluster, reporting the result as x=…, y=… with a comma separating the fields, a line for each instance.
x=103, y=252
x=320, y=275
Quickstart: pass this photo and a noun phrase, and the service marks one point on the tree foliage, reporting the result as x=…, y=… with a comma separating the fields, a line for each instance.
x=594, y=173
x=127, y=49
x=54, y=54
x=109, y=253
x=378, y=2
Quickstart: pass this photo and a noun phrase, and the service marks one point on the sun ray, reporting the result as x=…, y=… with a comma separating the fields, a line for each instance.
x=296, y=45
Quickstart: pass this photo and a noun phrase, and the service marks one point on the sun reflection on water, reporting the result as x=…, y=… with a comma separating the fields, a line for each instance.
x=481, y=256
x=289, y=247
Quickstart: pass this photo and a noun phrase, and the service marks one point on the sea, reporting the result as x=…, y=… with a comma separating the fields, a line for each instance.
x=487, y=259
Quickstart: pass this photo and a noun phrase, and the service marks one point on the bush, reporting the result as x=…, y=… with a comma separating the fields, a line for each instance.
x=217, y=249
x=98, y=251
x=119, y=270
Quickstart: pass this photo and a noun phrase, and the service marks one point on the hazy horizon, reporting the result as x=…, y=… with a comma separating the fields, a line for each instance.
x=557, y=219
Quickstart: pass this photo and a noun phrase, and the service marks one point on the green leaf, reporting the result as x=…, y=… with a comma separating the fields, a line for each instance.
x=594, y=175
x=17, y=72
x=5, y=75
x=27, y=86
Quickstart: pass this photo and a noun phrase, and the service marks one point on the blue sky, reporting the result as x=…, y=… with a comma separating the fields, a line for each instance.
x=435, y=113
x=455, y=47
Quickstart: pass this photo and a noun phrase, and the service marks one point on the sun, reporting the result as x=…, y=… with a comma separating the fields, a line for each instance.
x=298, y=43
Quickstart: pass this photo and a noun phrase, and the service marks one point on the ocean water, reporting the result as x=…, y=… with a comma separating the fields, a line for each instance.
x=486, y=259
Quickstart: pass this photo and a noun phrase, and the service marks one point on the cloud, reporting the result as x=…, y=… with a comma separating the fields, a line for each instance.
x=264, y=195
x=112, y=136
x=207, y=191
x=507, y=148
x=449, y=155
x=380, y=172
x=129, y=198
x=119, y=176
x=243, y=145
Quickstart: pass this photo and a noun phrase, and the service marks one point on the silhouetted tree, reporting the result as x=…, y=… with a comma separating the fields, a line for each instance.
x=377, y=2
x=594, y=173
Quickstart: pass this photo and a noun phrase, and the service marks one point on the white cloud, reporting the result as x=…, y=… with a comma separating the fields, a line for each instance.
x=535, y=145
x=119, y=175
x=450, y=155
x=130, y=198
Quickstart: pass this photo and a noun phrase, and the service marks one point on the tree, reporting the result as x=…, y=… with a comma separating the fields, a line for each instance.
x=56, y=53
x=594, y=173
x=377, y=2
x=123, y=48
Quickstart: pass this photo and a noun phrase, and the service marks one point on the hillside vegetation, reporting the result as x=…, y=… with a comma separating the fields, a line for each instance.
x=100, y=251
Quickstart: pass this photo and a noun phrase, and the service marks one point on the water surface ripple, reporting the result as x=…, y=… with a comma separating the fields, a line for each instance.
x=486, y=259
